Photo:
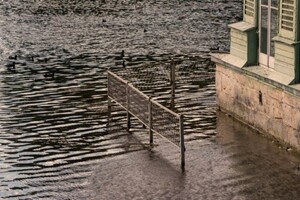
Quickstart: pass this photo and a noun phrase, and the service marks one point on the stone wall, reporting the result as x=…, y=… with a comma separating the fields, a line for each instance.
x=269, y=109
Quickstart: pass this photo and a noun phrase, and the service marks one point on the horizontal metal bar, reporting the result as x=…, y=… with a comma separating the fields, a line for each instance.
x=128, y=111
x=117, y=77
x=117, y=102
x=165, y=138
x=166, y=109
x=146, y=124
x=138, y=119
x=138, y=91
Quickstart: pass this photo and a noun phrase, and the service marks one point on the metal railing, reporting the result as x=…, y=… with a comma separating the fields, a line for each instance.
x=153, y=115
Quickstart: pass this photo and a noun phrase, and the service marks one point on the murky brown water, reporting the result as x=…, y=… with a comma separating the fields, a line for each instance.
x=54, y=143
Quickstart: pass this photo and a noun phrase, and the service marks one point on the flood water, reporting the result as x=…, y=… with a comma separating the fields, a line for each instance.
x=54, y=138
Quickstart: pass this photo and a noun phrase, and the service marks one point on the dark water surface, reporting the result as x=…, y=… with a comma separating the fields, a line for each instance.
x=54, y=140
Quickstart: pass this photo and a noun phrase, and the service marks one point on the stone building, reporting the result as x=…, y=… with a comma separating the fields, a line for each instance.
x=258, y=82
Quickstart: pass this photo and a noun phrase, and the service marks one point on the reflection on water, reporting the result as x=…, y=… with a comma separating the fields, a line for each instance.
x=237, y=164
x=54, y=141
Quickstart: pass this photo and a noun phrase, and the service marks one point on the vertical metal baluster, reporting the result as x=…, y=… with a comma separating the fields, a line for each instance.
x=128, y=106
x=108, y=112
x=182, y=146
x=150, y=121
x=173, y=84
x=109, y=101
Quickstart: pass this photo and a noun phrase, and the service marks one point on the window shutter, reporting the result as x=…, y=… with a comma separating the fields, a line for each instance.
x=250, y=11
x=249, y=7
x=287, y=21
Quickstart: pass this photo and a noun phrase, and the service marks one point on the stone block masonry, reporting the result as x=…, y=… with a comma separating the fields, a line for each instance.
x=268, y=108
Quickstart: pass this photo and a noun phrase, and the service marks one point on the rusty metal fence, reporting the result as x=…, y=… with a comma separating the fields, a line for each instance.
x=138, y=104
x=116, y=89
x=153, y=115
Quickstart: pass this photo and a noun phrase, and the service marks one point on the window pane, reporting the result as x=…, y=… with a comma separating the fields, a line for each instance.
x=274, y=29
x=264, y=2
x=275, y=3
x=264, y=31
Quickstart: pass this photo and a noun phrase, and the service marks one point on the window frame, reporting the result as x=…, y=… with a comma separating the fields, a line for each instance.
x=266, y=59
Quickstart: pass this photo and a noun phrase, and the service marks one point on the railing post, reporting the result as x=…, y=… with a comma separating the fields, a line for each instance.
x=108, y=112
x=182, y=147
x=150, y=121
x=173, y=84
x=128, y=107
x=109, y=101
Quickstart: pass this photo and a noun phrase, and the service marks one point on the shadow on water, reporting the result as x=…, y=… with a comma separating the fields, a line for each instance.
x=237, y=164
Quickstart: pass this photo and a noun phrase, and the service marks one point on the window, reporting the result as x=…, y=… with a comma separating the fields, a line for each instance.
x=268, y=29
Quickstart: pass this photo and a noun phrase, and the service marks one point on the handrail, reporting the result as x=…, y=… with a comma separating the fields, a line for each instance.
x=117, y=77
x=138, y=91
x=165, y=108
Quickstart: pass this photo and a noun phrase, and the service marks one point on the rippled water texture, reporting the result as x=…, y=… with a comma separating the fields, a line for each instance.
x=54, y=139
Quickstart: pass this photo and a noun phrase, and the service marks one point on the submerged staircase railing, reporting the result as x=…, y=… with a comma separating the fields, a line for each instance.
x=153, y=115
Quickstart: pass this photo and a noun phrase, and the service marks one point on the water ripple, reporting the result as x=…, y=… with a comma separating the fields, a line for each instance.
x=53, y=105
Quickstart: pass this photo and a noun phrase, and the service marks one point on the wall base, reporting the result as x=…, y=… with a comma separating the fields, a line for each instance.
x=267, y=108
